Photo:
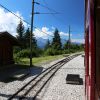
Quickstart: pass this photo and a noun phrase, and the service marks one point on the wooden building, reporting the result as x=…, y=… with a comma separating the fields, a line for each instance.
x=7, y=42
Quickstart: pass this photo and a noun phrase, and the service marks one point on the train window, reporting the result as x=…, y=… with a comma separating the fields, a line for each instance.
x=87, y=51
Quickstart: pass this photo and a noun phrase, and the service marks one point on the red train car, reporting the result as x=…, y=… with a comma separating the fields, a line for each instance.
x=92, y=49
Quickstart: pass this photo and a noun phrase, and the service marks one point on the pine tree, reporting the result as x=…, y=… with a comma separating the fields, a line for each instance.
x=47, y=44
x=20, y=34
x=34, y=42
x=20, y=31
x=66, y=45
x=56, y=43
x=27, y=38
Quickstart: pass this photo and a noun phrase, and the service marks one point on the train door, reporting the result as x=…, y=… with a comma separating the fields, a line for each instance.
x=97, y=49
x=87, y=50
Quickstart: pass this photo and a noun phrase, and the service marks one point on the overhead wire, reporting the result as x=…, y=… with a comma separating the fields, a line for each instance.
x=25, y=21
x=54, y=15
x=48, y=8
x=21, y=18
x=58, y=19
x=14, y=14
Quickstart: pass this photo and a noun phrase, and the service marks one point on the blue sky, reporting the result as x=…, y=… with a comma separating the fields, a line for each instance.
x=71, y=13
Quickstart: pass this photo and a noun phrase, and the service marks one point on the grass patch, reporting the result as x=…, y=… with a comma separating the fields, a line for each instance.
x=39, y=60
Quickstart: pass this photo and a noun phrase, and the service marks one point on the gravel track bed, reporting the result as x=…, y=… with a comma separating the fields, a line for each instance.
x=7, y=89
x=57, y=89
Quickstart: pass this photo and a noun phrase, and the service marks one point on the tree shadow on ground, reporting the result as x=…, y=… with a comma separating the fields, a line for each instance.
x=8, y=75
x=19, y=72
x=7, y=96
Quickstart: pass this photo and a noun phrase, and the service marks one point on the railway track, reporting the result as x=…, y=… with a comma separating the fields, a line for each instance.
x=34, y=86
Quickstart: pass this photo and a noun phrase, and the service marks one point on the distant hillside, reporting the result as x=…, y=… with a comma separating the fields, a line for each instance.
x=42, y=42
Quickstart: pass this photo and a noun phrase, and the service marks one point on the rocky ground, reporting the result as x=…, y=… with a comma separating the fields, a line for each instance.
x=56, y=89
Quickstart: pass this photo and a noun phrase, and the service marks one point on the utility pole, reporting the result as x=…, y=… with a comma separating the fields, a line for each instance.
x=31, y=33
x=69, y=40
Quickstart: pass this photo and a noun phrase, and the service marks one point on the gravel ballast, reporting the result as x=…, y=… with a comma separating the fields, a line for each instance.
x=56, y=88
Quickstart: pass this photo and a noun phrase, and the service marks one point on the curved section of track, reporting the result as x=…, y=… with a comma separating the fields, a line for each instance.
x=34, y=87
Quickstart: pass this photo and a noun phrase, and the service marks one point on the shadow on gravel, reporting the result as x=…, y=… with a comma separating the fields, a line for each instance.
x=6, y=97
x=18, y=72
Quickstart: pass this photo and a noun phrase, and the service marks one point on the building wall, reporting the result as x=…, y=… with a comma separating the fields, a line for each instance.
x=6, y=52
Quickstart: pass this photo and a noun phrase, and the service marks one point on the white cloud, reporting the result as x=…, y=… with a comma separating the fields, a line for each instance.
x=45, y=34
x=64, y=34
x=45, y=29
x=53, y=28
x=78, y=40
x=48, y=33
x=9, y=22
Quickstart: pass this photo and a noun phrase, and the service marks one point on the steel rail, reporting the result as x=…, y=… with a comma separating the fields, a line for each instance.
x=37, y=82
x=31, y=81
x=51, y=68
x=34, y=98
x=46, y=82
